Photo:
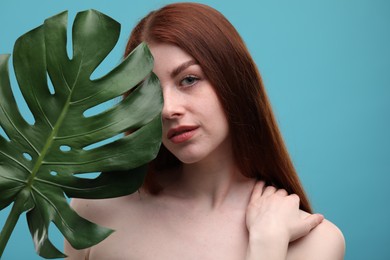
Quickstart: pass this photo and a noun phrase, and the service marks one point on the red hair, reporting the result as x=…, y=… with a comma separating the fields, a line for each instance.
x=213, y=42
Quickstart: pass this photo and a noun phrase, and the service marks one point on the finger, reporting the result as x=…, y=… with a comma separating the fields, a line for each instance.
x=295, y=198
x=268, y=191
x=313, y=220
x=257, y=191
x=305, y=226
x=281, y=192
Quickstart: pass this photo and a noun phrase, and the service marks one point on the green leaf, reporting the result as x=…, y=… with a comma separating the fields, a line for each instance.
x=35, y=173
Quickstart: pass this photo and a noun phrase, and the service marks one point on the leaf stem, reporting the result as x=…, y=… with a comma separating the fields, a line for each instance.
x=12, y=219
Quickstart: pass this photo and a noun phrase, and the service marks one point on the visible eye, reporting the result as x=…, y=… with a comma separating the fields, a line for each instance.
x=189, y=80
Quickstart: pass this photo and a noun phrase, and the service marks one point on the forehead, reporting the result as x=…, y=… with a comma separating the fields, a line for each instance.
x=167, y=57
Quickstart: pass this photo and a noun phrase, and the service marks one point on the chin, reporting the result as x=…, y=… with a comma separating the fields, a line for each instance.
x=188, y=158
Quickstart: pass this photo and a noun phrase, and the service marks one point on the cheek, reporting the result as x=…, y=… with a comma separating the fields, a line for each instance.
x=218, y=113
x=164, y=134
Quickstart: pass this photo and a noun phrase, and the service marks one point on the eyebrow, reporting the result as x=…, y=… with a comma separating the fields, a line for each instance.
x=182, y=67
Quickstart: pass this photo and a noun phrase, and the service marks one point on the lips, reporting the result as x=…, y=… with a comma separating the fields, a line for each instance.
x=181, y=134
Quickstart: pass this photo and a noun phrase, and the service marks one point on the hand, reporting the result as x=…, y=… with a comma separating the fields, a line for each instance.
x=273, y=216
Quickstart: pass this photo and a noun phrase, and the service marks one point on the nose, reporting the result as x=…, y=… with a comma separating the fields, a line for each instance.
x=173, y=104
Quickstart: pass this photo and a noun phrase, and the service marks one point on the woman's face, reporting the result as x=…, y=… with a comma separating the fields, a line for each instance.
x=194, y=124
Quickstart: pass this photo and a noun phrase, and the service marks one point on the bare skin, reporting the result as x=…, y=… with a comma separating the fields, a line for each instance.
x=175, y=227
x=208, y=209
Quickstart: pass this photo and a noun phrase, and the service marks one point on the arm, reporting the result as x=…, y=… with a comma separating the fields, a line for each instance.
x=274, y=220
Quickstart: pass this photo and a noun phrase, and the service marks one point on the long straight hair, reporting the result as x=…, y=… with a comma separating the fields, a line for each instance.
x=206, y=35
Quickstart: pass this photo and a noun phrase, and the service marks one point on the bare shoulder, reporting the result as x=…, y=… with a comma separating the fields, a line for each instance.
x=325, y=242
x=100, y=212
x=92, y=210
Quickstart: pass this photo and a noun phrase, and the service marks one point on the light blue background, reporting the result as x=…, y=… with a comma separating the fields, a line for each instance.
x=326, y=67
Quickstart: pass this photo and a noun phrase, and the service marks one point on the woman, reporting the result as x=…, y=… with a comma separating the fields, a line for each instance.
x=223, y=185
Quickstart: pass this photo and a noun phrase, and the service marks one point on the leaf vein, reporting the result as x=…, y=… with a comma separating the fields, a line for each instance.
x=13, y=159
x=70, y=187
x=18, y=131
x=77, y=163
x=13, y=179
x=55, y=208
x=85, y=133
x=41, y=109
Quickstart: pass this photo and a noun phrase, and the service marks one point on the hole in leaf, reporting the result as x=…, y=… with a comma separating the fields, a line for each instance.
x=104, y=142
x=20, y=101
x=65, y=148
x=53, y=173
x=27, y=156
x=88, y=175
x=108, y=64
x=69, y=38
x=50, y=85
x=100, y=108
x=55, y=235
x=3, y=134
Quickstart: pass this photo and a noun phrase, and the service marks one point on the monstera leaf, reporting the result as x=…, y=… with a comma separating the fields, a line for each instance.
x=40, y=163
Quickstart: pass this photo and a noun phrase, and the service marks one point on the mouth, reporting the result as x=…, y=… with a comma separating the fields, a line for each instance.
x=181, y=134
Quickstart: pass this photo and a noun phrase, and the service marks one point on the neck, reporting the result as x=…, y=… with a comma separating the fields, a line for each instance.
x=213, y=182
